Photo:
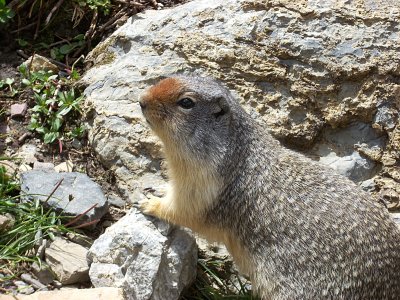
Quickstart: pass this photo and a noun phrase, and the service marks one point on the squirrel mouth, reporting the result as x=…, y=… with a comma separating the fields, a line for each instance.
x=148, y=122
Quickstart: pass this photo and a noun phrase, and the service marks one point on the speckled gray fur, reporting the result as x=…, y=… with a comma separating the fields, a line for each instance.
x=313, y=234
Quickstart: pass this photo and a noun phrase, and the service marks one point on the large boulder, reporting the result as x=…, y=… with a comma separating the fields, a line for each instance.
x=312, y=71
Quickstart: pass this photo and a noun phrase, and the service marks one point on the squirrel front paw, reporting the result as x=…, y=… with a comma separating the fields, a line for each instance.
x=151, y=206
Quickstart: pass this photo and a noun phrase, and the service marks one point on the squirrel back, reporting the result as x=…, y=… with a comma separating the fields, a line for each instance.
x=298, y=229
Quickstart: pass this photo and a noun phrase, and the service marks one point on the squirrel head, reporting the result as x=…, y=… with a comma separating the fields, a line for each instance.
x=191, y=115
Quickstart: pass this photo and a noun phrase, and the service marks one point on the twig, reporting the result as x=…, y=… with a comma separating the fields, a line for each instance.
x=88, y=34
x=78, y=217
x=112, y=20
x=22, y=54
x=57, y=6
x=86, y=224
x=38, y=21
x=23, y=28
x=54, y=190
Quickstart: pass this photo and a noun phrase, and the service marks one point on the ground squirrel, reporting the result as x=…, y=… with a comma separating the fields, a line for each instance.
x=298, y=229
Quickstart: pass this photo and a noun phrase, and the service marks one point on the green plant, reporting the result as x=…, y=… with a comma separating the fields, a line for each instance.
x=31, y=220
x=216, y=281
x=60, y=52
x=8, y=83
x=57, y=106
x=101, y=5
x=5, y=12
x=8, y=183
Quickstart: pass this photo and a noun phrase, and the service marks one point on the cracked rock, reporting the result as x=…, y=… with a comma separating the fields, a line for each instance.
x=76, y=194
x=134, y=255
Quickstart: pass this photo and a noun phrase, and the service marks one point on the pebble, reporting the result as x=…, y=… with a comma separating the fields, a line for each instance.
x=18, y=110
x=23, y=287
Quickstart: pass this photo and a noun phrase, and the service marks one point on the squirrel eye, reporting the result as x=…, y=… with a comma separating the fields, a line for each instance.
x=186, y=103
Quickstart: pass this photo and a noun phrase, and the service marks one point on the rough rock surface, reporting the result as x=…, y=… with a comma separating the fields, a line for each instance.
x=312, y=71
x=133, y=255
x=68, y=261
x=106, y=293
x=76, y=194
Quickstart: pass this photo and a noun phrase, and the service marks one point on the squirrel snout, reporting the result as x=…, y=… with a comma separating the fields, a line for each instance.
x=142, y=104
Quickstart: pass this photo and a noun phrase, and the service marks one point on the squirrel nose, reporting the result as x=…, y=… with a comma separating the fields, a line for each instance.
x=142, y=104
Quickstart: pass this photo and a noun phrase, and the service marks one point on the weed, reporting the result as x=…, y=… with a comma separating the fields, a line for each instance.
x=101, y=5
x=31, y=221
x=216, y=281
x=8, y=83
x=5, y=12
x=57, y=105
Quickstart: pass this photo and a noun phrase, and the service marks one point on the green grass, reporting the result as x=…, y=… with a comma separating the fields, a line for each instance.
x=32, y=222
x=216, y=280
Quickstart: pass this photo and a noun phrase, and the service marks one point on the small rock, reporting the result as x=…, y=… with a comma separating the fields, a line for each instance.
x=23, y=287
x=68, y=261
x=23, y=137
x=113, y=199
x=6, y=222
x=27, y=153
x=43, y=272
x=42, y=248
x=37, y=62
x=34, y=282
x=24, y=168
x=76, y=144
x=44, y=166
x=103, y=293
x=76, y=194
x=385, y=118
x=66, y=166
x=368, y=185
x=133, y=254
x=80, y=239
x=11, y=167
x=18, y=110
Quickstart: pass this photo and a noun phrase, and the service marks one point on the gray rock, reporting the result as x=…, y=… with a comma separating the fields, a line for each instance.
x=68, y=261
x=76, y=194
x=43, y=272
x=368, y=185
x=27, y=153
x=386, y=117
x=301, y=67
x=6, y=222
x=23, y=287
x=337, y=150
x=134, y=255
x=34, y=282
x=43, y=166
x=115, y=200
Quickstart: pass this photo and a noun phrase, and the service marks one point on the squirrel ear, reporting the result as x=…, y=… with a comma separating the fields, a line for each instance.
x=224, y=108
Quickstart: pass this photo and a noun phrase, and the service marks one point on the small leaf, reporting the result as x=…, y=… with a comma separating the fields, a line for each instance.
x=26, y=81
x=79, y=37
x=65, y=49
x=50, y=137
x=22, y=42
x=9, y=81
x=56, y=124
x=65, y=110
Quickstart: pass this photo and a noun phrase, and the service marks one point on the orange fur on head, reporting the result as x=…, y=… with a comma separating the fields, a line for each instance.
x=167, y=90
